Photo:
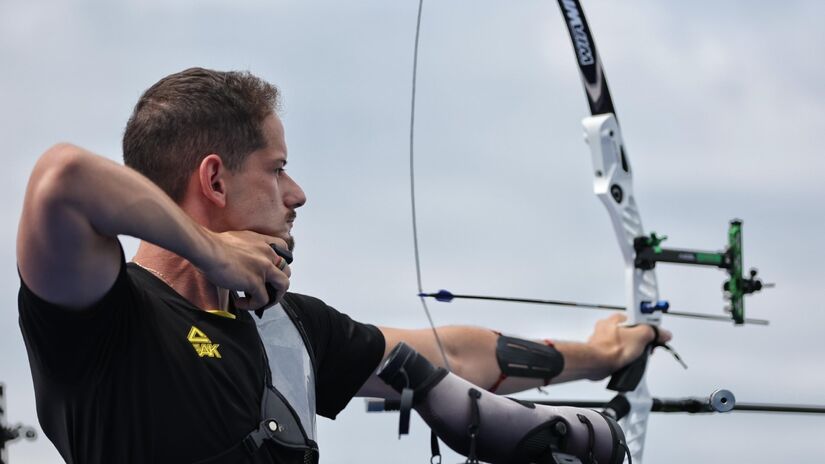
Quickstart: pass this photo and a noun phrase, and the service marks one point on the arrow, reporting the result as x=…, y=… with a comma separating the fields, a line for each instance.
x=445, y=296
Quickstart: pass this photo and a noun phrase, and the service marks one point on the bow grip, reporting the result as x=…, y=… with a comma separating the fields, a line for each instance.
x=627, y=378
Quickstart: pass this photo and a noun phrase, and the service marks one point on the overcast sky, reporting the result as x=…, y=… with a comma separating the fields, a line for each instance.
x=723, y=110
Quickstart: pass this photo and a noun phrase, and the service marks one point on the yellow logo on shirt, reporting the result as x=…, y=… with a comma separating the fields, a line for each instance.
x=202, y=344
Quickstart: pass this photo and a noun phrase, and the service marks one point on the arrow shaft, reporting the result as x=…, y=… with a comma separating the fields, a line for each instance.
x=605, y=307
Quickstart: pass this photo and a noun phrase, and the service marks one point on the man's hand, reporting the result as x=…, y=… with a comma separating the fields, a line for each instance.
x=617, y=345
x=245, y=261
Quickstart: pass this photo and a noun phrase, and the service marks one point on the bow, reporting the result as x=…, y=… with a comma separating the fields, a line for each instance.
x=613, y=185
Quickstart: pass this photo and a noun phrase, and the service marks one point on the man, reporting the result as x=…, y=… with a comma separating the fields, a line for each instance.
x=159, y=360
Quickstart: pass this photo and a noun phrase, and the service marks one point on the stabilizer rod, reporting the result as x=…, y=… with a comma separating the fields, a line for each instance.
x=718, y=401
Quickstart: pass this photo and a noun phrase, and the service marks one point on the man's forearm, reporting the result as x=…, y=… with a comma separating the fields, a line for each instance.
x=471, y=353
x=117, y=200
x=76, y=205
x=581, y=361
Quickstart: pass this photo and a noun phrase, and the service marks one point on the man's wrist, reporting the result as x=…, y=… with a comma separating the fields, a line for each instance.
x=585, y=360
x=204, y=249
x=604, y=359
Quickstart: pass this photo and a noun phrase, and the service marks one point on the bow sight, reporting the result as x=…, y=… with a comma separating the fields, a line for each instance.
x=649, y=251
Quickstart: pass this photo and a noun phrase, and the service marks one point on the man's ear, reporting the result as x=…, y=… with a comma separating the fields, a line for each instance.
x=212, y=178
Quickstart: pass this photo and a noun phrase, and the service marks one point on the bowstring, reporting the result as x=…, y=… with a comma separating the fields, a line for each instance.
x=412, y=191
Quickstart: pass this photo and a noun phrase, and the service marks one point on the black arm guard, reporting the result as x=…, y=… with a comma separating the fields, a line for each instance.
x=499, y=430
x=523, y=358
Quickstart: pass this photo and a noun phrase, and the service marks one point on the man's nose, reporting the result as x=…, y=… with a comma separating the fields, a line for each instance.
x=294, y=196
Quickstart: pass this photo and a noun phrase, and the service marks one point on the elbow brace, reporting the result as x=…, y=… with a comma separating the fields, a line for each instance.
x=496, y=429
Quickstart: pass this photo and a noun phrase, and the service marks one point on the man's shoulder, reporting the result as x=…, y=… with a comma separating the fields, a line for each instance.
x=300, y=301
x=310, y=310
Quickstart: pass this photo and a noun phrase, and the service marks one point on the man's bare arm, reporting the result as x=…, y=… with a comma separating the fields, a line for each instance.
x=76, y=205
x=471, y=353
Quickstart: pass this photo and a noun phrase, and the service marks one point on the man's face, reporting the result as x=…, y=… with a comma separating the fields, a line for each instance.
x=261, y=196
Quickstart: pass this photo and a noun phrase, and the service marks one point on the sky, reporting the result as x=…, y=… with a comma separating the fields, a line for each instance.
x=722, y=108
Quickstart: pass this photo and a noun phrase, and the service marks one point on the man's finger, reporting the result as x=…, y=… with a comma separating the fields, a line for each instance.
x=279, y=280
x=642, y=331
x=253, y=300
x=618, y=317
x=282, y=266
x=277, y=241
x=648, y=332
x=242, y=303
x=277, y=283
x=665, y=335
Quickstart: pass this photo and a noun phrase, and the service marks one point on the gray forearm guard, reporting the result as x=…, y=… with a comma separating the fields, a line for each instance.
x=496, y=429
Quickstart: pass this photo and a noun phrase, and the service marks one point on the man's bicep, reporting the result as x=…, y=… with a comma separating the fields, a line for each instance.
x=60, y=256
x=421, y=340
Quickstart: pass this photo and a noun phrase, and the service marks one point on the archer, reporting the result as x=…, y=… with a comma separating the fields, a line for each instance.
x=159, y=360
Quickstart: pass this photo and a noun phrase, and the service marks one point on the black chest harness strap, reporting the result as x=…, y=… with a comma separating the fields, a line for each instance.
x=281, y=426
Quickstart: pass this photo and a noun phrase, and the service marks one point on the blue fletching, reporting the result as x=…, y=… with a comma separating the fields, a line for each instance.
x=444, y=296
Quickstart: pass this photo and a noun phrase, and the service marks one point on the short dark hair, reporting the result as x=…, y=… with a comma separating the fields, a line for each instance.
x=188, y=115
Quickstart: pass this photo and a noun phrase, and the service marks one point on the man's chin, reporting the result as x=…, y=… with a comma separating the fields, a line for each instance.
x=285, y=236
